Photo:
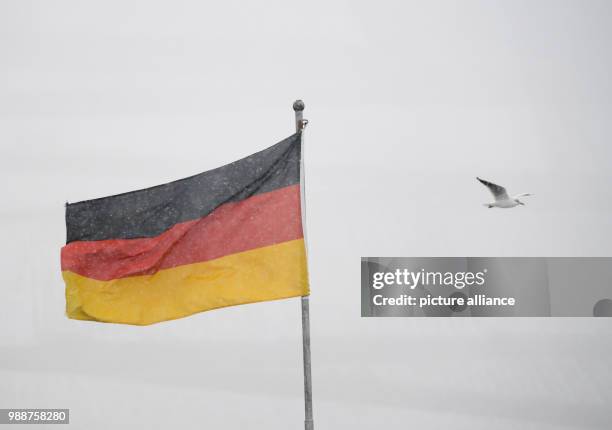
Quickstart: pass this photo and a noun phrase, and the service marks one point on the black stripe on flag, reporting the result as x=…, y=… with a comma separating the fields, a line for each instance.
x=149, y=212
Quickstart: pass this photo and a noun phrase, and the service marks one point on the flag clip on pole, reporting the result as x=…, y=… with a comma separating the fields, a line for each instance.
x=298, y=107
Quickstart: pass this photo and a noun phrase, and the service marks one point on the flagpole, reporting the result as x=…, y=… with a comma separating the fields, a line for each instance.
x=298, y=107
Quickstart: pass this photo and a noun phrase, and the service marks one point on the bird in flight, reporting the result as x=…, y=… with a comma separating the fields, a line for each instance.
x=502, y=200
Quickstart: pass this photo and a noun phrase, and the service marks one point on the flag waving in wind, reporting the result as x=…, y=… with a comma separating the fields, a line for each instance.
x=224, y=237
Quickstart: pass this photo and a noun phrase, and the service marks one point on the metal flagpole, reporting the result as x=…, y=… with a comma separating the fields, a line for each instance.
x=298, y=107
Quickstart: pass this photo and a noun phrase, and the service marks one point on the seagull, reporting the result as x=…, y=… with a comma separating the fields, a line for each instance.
x=502, y=200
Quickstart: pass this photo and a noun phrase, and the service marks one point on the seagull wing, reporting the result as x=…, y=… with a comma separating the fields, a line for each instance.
x=498, y=191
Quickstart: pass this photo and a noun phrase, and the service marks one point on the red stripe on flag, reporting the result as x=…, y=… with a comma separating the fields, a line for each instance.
x=261, y=220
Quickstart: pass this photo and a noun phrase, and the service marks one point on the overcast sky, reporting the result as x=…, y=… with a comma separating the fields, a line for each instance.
x=408, y=102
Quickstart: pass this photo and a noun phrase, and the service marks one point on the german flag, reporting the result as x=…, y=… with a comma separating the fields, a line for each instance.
x=224, y=237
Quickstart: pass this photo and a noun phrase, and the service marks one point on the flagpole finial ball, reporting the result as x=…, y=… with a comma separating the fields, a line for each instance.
x=298, y=105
